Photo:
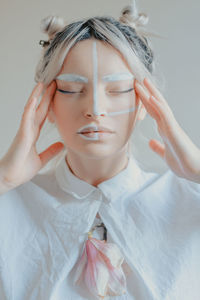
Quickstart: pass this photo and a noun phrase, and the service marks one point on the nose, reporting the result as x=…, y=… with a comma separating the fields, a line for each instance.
x=95, y=106
x=94, y=114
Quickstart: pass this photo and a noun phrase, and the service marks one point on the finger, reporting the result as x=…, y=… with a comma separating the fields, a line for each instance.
x=163, y=111
x=35, y=94
x=30, y=107
x=50, y=152
x=154, y=102
x=166, y=115
x=157, y=147
x=45, y=102
x=28, y=114
x=50, y=91
x=144, y=97
x=42, y=123
x=159, y=99
x=153, y=90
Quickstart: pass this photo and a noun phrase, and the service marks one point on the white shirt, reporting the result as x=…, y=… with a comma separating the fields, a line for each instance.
x=154, y=219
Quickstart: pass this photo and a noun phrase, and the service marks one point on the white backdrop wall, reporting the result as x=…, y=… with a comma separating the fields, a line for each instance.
x=177, y=56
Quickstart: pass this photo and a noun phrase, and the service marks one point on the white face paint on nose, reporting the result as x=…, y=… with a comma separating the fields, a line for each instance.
x=106, y=78
x=95, y=81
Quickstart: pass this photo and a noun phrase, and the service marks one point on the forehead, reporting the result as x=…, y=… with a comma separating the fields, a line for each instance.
x=81, y=58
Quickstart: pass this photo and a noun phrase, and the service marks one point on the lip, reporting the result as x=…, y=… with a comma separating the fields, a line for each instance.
x=92, y=127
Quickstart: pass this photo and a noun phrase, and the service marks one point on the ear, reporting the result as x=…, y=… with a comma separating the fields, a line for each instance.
x=142, y=111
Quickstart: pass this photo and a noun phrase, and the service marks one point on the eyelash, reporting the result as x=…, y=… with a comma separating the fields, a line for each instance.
x=68, y=92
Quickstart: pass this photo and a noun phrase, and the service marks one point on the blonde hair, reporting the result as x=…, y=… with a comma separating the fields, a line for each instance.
x=124, y=35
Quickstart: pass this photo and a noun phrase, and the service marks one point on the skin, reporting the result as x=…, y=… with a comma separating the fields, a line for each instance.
x=22, y=161
x=177, y=150
x=97, y=160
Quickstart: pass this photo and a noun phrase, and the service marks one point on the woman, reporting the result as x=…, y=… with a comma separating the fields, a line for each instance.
x=96, y=81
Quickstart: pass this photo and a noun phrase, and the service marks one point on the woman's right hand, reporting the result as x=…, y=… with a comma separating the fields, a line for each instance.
x=22, y=162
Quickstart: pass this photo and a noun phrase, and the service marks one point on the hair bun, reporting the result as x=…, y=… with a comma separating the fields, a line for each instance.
x=130, y=16
x=51, y=25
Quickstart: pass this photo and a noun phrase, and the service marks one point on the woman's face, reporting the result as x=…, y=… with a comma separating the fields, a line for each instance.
x=94, y=87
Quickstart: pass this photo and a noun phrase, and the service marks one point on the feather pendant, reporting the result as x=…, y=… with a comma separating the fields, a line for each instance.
x=100, y=268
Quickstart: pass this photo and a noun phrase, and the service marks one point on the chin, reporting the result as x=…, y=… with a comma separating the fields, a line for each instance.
x=97, y=152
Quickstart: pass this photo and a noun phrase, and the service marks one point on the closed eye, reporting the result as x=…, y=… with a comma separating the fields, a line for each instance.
x=127, y=91
x=68, y=92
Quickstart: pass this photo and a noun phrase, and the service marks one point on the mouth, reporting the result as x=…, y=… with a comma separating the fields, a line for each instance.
x=93, y=128
x=95, y=135
x=93, y=131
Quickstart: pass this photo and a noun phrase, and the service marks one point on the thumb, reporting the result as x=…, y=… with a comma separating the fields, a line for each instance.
x=157, y=147
x=50, y=152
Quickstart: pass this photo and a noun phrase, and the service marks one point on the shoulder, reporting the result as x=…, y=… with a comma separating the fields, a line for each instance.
x=164, y=190
x=25, y=209
x=169, y=182
x=30, y=199
x=40, y=184
x=167, y=194
x=165, y=201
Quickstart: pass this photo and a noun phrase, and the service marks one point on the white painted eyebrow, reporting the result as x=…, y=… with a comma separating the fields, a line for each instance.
x=106, y=78
x=72, y=77
x=118, y=76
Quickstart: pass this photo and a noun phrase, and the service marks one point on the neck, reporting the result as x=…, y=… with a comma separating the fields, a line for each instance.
x=95, y=171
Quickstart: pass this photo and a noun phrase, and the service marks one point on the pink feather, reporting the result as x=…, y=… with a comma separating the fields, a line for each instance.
x=100, y=266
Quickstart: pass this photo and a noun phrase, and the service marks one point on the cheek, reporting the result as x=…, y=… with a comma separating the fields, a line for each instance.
x=119, y=103
x=66, y=115
x=64, y=107
x=126, y=126
x=127, y=119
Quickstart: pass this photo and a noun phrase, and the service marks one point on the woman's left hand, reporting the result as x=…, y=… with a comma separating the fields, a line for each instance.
x=177, y=149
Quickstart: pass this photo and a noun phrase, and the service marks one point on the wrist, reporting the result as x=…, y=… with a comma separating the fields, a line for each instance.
x=4, y=186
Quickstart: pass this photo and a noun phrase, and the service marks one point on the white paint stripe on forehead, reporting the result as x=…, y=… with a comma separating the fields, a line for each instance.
x=72, y=77
x=110, y=77
x=95, y=79
x=118, y=77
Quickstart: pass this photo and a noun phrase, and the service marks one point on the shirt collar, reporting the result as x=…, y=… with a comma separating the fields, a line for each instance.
x=128, y=179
